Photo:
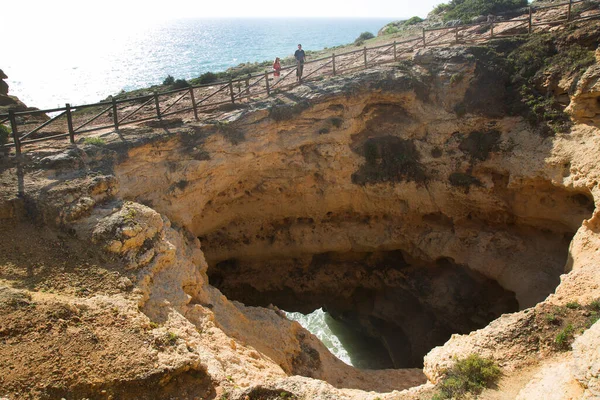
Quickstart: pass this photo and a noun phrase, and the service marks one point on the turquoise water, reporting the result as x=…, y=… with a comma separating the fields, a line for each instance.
x=56, y=64
x=343, y=342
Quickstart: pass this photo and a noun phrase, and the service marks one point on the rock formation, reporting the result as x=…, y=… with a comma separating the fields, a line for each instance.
x=3, y=85
x=413, y=202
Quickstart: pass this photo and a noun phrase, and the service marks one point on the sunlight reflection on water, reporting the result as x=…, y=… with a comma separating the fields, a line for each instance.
x=94, y=63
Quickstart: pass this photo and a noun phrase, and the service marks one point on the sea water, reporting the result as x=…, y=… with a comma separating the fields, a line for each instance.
x=347, y=344
x=50, y=65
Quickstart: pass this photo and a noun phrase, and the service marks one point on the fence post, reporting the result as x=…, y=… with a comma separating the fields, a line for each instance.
x=70, y=123
x=456, y=34
x=530, y=17
x=424, y=44
x=492, y=30
x=247, y=81
x=114, y=113
x=267, y=83
x=194, y=103
x=395, y=52
x=157, y=105
x=365, y=52
x=231, y=91
x=13, y=126
x=569, y=11
x=333, y=62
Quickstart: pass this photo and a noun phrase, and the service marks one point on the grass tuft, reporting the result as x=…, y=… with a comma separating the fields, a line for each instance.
x=94, y=141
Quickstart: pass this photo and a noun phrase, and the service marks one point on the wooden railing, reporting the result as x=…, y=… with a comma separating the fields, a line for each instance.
x=70, y=121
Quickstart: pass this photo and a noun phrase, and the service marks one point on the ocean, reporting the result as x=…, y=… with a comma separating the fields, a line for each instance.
x=50, y=65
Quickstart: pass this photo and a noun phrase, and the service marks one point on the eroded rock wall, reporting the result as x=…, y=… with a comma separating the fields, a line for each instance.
x=409, y=201
x=381, y=164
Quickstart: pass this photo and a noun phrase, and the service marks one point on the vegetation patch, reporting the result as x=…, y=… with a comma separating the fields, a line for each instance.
x=169, y=80
x=205, y=78
x=362, y=37
x=564, y=338
x=455, y=79
x=468, y=376
x=559, y=325
x=389, y=159
x=478, y=145
x=466, y=10
x=465, y=181
x=96, y=141
x=412, y=21
x=534, y=63
x=166, y=340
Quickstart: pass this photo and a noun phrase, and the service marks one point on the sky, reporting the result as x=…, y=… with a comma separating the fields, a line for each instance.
x=27, y=14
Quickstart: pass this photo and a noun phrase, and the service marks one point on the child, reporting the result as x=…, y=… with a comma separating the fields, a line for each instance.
x=277, y=68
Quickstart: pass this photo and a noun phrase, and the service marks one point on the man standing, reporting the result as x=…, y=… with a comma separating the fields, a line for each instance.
x=300, y=57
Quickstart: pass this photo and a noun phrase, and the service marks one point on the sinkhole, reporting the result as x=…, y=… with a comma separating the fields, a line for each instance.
x=395, y=286
x=384, y=311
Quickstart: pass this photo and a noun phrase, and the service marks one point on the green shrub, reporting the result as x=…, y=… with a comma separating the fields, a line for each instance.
x=564, y=337
x=465, y=10
x=363, y=36
x=180, y=84
x=4, y=134
x=468, y=376
x=592, y=319
x=412, y=21
x=440, y=8
x=390, y=30
x=171, y=338
x=169, y=80
x=573, y=305
x=207, y=77
x=551, y=318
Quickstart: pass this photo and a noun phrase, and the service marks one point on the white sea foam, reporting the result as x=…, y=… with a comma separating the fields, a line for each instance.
x=316, y=324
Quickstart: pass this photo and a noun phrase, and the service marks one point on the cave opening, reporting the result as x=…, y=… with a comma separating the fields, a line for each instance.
x=399, y=273
x=398, y=309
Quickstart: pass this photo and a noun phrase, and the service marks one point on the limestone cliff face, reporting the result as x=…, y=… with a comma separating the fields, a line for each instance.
x=375, y=200
x=410, y=201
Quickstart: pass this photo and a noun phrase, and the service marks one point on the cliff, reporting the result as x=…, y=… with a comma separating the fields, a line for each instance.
x=424, y=204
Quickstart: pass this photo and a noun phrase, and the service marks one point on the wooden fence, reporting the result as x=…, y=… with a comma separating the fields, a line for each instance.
x=71, y=121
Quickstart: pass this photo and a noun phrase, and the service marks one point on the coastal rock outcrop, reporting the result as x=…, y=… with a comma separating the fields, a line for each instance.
x=3, y=85
x=411, y=202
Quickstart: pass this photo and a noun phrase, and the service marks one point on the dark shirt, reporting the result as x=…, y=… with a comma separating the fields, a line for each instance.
x=300, y=56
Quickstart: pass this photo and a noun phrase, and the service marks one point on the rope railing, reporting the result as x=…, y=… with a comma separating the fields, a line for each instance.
x=116, y=113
